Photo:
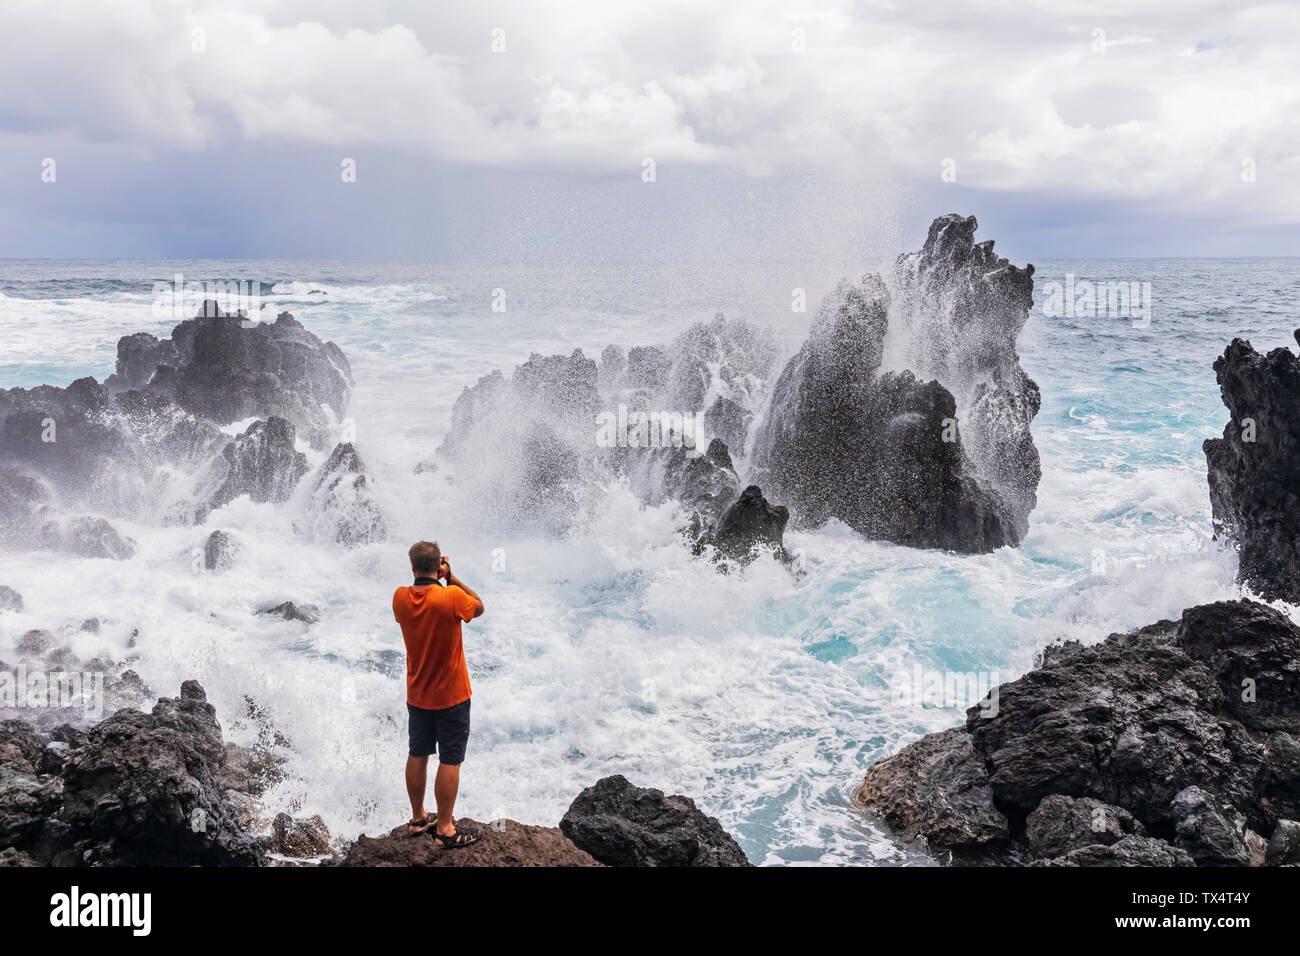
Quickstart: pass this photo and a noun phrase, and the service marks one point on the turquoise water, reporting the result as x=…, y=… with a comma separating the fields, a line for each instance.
x=763, y=697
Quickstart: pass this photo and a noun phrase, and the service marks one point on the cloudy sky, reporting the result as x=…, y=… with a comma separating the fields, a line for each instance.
x=486, y=130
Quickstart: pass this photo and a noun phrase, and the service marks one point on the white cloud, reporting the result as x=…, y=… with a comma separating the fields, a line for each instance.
x=1018, y=94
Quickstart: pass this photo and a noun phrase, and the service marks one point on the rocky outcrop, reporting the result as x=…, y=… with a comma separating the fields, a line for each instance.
x=937, y=788
x=144, y=788
x=225, y=368
x=928, y=445
x=344, y=505
x=262, y=463
x=86, y=536
x=137, y=789
x=136, y=446
x=1157, y=735
x=527, y=445
x=623, y=825
x=958, y=309
x=1253, y=468
x=502, y=843
x=752, y=524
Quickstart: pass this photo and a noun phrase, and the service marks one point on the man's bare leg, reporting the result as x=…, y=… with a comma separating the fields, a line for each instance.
x=446, y=784
x=417, y=777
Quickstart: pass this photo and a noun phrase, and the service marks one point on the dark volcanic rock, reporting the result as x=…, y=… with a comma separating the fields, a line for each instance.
x=749, y=524
x=527, y=446
x=935, y=788
x=262, y=462
x=10, y=600
x=505, y=843
x=26, y=802
x=1130, y=851
x=959, y=308
x=1107, y=754
x=1130, y=721
x=144, y=788
x=344, y=501
x=1253, y=652
x=134, y=446
x=623, y=825
x=705, y=484
x=1059, y=825
x=1253, y=468
x=1212, y=834
x=88, y=537
x=881, y=451
x=226, y=368
x=20, y=746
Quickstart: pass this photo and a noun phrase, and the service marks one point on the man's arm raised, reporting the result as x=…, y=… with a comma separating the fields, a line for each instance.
x=452, y=579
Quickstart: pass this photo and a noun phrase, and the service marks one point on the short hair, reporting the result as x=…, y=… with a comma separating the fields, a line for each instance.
x=425, y=557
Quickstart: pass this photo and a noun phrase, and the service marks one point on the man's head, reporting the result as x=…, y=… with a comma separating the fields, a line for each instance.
x=425, y=558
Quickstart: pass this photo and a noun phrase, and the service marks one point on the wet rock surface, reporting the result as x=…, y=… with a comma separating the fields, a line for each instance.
x=938, y=454
x=620, y=824
x=1252, y=469
x=1143, y=743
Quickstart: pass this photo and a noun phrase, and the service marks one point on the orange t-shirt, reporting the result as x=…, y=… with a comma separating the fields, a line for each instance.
x=430, y=616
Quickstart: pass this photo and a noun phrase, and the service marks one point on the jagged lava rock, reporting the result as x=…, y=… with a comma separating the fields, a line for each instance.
x=936, y=788
x=880, y=450
x=261, y=462
x=624, y=825
x=1138, y=750
x=145, y=786
x=750, y=524
x=1254, y=469
x=344, y=502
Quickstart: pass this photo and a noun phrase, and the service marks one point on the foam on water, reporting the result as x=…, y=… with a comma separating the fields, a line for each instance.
x=763, y=696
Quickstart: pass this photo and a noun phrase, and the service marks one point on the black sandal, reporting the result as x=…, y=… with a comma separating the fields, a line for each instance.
x=457, y=839
x=414, y=828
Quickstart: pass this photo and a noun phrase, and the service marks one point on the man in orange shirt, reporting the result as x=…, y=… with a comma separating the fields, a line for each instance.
x=437, y=686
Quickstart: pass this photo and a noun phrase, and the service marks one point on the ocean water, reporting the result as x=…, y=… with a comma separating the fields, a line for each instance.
x=613, y=650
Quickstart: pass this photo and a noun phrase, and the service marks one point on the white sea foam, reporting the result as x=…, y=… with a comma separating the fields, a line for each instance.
x=614, y=650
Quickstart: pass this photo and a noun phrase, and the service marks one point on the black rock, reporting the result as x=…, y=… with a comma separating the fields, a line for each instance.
x=1253, y=652
x=116, y=448
x=1060, y=824
x=299, y=838
x=262, y=462
x=750, y=524
x=1252, y=469
x=26, y=802
x=1129, y=851
x=35, y=642
x=86, y=536
x=705, y=484
x=1212, y=833
x=1123, y=752
x=143, y=788
x=623, y=825
x=882, y=450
